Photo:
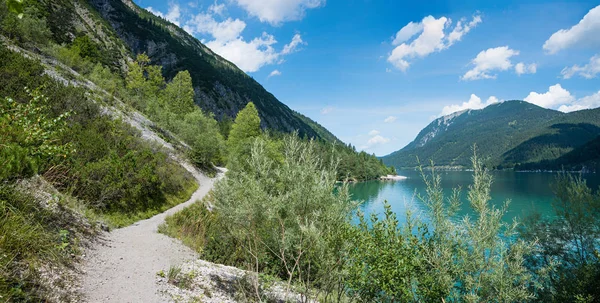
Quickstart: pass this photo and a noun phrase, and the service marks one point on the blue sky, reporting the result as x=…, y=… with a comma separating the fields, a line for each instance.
x=376, y=72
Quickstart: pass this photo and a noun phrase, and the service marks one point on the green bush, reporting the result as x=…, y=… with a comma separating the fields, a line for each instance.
x=30, y=236
x=569, y=241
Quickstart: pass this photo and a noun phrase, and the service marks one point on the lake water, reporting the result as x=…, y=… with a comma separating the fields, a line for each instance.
x=528, y=192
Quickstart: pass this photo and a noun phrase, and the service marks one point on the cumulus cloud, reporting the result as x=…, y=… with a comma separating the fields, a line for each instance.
x=433, y=37
x=274, y=73
x=587, y=102
x=473, y=103
x=587, y=71
x=327, y=110
x=583, y=34
x=277, y=11
x=293, y=45
x=390, y=119
x=173, y=14
x=522, y=68
x=374, y=140
x=217, y=9
x=490, y=60
x=374, y=133
x=227, y=41
x=555, y=97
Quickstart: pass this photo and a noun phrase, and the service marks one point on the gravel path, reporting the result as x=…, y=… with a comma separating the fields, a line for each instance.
x=122, y=267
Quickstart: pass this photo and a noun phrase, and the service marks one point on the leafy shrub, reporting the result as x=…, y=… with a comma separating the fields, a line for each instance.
x=570, y=241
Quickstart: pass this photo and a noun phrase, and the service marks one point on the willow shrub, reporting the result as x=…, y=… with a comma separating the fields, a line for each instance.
x=281, y=215
x=570, y=240
x=474, y=259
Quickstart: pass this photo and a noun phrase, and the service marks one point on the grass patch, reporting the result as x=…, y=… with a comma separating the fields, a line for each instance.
x=31, y=236
x=191, y=225
x=122, y=219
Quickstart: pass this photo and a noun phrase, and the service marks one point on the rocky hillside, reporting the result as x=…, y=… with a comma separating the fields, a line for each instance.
x=508, y=134
x=220, y=86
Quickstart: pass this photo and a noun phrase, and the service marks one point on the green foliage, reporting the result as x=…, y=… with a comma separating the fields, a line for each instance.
x=511, y=134
x=278, y=215
x=179, y=94
x=245, y=128
x=447, y=260
x=102, y=161
x=29, y=137
x=30, y=236
x=570, y=241
x=87, y=49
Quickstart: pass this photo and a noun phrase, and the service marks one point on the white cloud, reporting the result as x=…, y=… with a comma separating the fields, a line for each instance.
x=407, y=32
x=293, y=45
x=217, y=9
x=522, y=68
x=587, y=102
x=274, y=73
x=561, y=99
x=223, y=31
x=584, y=33
x=228, y=42
x=555, y=97
x=473, y=103
x=374, y=133
x=460, y=29
x=390, y=119
x=173, y=14
x=432, y=38
x=375, y=140
x=492, y=59
x=277, y=11
x=327, y=110
x=587, y=71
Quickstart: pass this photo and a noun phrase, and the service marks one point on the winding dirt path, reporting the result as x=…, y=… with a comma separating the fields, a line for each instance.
x=122, y=267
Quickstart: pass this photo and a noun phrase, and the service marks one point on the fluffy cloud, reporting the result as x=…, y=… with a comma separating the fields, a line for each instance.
x=390, y=119
x=591, y=101
x=277, y=11
x=522, y=68
x=555, y=97
x=487, y=61
x=433, y=37
x=561, y=99
x=217, y=9
x=228, y=42
x=293, y=45
x=587, y=71
x=274, y=73
x=374, y=133
x=473, y=103
x=584, y=33
x=173, y=14
x=374, y=140
x=327, y=110
x=223, y=31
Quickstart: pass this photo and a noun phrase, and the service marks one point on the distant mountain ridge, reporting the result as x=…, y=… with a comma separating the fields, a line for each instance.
x=509, y=134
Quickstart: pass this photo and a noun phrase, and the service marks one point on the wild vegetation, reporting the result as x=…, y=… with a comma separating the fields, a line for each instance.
x=279, y=212
x=279, y=215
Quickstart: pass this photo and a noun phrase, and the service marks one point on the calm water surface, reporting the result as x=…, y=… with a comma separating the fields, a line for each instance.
x=528, y=192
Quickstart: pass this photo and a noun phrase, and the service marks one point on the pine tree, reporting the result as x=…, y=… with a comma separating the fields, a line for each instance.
x=179, y=94
x=245, y=127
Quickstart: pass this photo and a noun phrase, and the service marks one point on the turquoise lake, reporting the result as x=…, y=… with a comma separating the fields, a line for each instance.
x=528, y=192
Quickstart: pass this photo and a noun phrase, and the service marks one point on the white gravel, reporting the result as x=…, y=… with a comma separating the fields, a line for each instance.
x=123, y=266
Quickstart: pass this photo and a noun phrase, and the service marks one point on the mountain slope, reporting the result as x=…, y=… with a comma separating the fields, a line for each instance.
x=506, y=134
x=220, y=86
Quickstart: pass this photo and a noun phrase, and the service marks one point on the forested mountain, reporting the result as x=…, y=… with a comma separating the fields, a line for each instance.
x=508, y=134
x=121, y=30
